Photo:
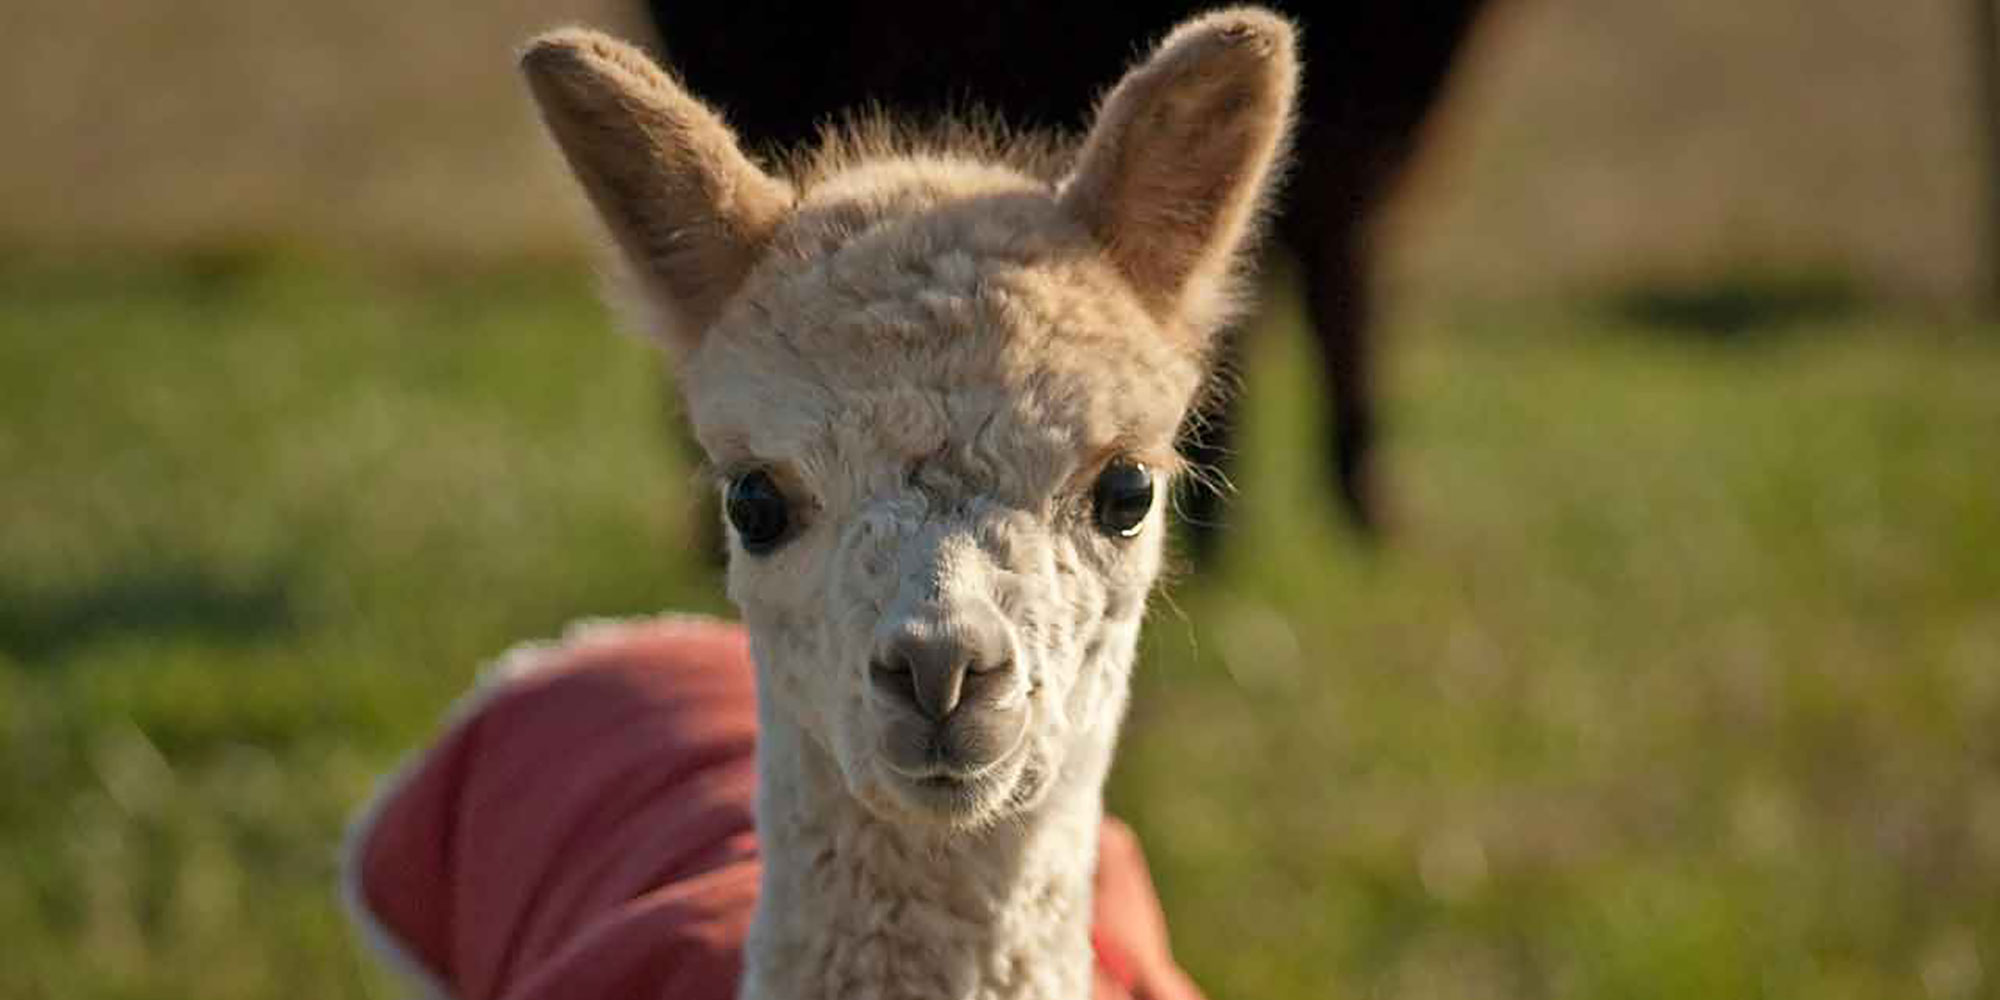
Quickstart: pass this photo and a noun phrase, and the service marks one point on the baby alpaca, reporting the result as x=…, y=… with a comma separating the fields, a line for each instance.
x=940, y=382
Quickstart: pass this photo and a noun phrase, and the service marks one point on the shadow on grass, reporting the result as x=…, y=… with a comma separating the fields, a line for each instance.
x=40, y=628
x=1742, y=308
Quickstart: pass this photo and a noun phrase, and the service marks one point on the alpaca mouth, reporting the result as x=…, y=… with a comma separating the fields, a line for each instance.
x=961, y=795
x=966, y=747
x=945, y=770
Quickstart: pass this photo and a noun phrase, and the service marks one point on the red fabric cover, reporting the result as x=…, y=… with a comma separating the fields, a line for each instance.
x=584, y=831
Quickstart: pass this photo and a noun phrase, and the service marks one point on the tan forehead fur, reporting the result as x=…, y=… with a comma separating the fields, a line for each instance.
x=939, y=285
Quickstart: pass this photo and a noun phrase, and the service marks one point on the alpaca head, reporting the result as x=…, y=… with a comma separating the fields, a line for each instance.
x=941, y=393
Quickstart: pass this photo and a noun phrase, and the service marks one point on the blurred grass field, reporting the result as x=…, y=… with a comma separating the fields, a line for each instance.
x=1681, y=678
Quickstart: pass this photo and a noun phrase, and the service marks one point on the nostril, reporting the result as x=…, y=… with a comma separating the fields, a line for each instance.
x=984, y=682
x=996, y=667
x=893, y=678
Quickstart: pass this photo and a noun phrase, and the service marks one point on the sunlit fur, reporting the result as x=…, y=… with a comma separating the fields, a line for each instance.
x=934, y=348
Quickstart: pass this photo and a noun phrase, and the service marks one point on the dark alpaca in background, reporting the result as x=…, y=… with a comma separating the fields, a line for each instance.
x=1373, y=70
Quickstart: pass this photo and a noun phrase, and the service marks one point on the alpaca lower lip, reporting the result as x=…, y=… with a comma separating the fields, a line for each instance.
x=955, y=791
x=944, y=775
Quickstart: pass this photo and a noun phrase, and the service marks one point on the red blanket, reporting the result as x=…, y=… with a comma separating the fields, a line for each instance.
x=583, y=830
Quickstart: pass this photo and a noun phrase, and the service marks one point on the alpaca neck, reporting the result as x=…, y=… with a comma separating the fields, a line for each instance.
x=855, y=907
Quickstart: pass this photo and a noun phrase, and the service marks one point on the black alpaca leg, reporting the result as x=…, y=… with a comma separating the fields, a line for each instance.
x=1336, y=284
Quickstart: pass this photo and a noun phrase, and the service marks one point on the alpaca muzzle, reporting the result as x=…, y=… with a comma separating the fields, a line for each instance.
x=948, y=687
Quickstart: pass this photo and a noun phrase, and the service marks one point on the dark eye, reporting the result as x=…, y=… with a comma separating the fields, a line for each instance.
x=1122, y=498
x=758, y=511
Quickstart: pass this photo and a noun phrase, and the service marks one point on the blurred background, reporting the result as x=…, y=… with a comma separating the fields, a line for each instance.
x=1678, y=676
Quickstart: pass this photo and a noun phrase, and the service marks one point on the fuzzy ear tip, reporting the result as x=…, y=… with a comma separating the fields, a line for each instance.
x=1265, y=31
x=554, y=46
x=550, y=56
x=1260, y=25
x=565, y=50
x=1249, y=39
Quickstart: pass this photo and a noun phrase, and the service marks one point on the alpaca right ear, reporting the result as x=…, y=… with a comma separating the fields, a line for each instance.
x=690, y=211
x=1183, y=154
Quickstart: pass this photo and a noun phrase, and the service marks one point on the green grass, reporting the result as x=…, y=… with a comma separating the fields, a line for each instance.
x=1682, y=678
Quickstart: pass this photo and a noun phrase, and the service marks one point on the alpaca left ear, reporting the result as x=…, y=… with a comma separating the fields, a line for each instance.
x=1182, y=155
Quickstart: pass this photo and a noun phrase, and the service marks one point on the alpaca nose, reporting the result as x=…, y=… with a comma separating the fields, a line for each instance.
x=932, y=667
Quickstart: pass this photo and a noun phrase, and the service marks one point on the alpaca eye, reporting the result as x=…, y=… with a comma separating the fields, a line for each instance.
x=1122, y=498
x=758, y=511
